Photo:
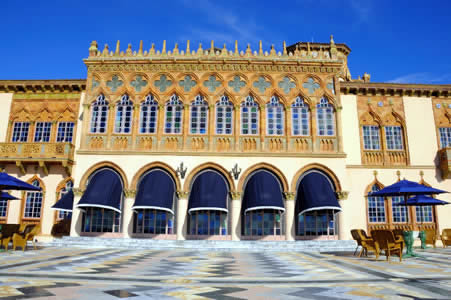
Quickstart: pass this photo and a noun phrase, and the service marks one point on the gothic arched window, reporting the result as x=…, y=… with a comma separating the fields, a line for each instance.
x=33, y=203
x=371, y=137
x=124, y=112
x=224, y=116
x=199, y=116
x=376, y=207
x=99, y=115
x=300, y=118
x=249, y=116
x=275, y=117
x=325, y=118
x=149, y=115
x=173, y=115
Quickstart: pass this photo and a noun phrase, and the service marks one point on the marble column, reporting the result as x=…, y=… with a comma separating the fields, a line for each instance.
x=235, y=213
x=127, y=213
x=181, y=215
x=75, y=226
x=290, y=230
x=342, y=234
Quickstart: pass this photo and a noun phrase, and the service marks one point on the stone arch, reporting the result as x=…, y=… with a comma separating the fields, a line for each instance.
x=305, y=97
x=330, y=99
x=121, y=92
x=318, y=167
x=255, y=78
x=147, y=91
x=63, y=182
x=97, y=166
x=371, y=117
x=209, y=165
x=283, y=100
x=260, y=101
x=100, y=91
x=318, y=79
x=269, y=167
x=153, y=165
x=370, y=186
x=174, y=90
x=280, y=78
x=41, y=183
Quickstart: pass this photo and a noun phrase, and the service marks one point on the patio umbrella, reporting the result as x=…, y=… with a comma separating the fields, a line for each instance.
x=7, y=196
x=8, y=182
x=405, y=188
x=65, y=203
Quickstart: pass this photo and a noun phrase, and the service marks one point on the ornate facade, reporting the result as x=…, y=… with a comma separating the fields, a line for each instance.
x=218, y=129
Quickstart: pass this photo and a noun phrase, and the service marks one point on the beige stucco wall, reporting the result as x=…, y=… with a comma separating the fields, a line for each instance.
x=5, y=104
x=351, y=134
x=421, y=132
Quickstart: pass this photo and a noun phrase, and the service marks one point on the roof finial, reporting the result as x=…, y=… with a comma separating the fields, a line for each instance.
x=224, y=50
x=421, y=175
x=93, y=49
x=248, y=50
x=297, y=52
x=284, y=48
x=118, y=46
x=163, y=51
x=212, y=47
x=176, y=49
x=187, y=48
x=236, y=47
x=129, y=50
x=398, y=173
x=273, y=51
x=199, y=50
x=308, y=49
x=152, y=49
x=332, y=40
x=375, y=174
x=140, y=51
x=105, y=50
x=260, y=48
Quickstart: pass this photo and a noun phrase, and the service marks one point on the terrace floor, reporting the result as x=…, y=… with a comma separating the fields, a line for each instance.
x=76, y=273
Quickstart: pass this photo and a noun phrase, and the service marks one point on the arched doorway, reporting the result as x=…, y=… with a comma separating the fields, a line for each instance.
x=208, y=205
x=262, y=207
x=316, y=206
x=101, y=203
x=153, y=210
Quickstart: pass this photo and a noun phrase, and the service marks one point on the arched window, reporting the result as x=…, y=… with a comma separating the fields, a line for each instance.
x=325, y=118
x=393, y=136
x=149, y=115
x=300, y=116
x=275, y=117
x=376, y=207
x=399, y=212
x=99, y=116
x=173, y=115
x=62, y=214
x=224, y=116
x=249, y=116
x=124, y=112
x=33, y=203
x=199, y=115
x=371, y=137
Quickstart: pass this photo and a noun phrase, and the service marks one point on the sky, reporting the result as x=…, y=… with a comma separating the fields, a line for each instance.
x=395, y=41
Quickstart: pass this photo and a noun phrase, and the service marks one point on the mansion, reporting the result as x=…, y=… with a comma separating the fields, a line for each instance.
x=223, y=144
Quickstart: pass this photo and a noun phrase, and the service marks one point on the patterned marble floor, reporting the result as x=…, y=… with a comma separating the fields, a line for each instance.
x=73, y=273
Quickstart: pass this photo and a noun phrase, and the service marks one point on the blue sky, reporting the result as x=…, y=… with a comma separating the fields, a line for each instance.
x=394, y=41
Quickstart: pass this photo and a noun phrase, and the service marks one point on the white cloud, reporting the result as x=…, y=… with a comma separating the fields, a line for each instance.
x=423, y=77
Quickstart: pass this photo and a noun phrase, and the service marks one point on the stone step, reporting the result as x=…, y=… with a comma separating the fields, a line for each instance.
x=205, y=245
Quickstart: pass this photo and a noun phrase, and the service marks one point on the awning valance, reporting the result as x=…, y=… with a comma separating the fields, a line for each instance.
x=65, y=203
x=263, y=192
x=209, y=192
x=155, y=191
x=104, y=190
x=315, y=192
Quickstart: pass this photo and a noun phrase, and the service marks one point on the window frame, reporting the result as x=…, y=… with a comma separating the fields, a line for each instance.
x=371, y=137
x=174, y=103
x=123, y=121
x=31, y=197
x=446, y=137
x=65, y=132
x=19, y=136
x=43, y=133
x=392, y=135
x=149, y=103
x=249, y=222
x=376, y=200
x=327, y=112
x=249, y=103
x=99, y=115
x=224, y=104
x=198, y=107
x=275, y=107
x=61, y=214
x=297, y=108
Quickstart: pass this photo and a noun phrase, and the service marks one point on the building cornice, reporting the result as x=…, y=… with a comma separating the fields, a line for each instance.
x=394, y=89
x=42, y=86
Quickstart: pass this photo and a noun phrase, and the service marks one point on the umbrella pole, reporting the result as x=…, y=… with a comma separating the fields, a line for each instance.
x=408, y=234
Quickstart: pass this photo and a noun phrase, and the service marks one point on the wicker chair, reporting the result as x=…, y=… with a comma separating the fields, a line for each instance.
x=431, y=237
x=7, y=233
x=385, y=240
x=367, y=243
x=399, y=236
x=446, y=237
x=20, y=239
x=356, y=236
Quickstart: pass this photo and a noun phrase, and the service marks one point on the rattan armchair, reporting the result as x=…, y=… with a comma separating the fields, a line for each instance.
x=446, y=237
x=367, y=243
x=21, y=239
x=385, y=240
x=7, y=233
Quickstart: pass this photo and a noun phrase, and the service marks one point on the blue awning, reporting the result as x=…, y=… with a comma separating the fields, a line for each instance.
x=209, y=192
x=66, y=202
x=104, y=190
x=263, y=192
x=155, y=191
x=315, y=192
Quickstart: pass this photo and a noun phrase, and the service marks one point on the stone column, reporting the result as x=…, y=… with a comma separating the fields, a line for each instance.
x=290, y=230
x=135, y=125
x=160, y=125
x=339, y=129
x=53, y=131
x=288, y=126
x=181, y=215
x=127, y=213
x=84, y=126
x=262, y=128
x=75, y=226
x=342, y=232
x=237, y=126
x=185, y=129
x=211, y=126
x=235, y=213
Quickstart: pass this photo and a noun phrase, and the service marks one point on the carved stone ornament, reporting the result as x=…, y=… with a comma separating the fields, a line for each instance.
x=289, y=195
x=235, y=195
x=182, y=194
x=130, y=193
x=343, y=195
x=78, y=191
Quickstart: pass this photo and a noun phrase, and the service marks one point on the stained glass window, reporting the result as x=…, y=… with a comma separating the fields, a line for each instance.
x=173, y=115
x=224, y=116
x=124, y=113
x=99, y=115
x=249, y=116
x=199, y=116
x=149, y=115
x=275, y=117
x=300, y=116
x=325, y=118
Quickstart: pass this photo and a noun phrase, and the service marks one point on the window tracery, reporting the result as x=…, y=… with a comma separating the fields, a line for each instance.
x=99, y=116
x=224, y=116
x=300, y=117
x=275, y=117
x=325, y=118
x=173, y=115
x=149, y=115
x=124, y=112
x=199, y=116
x=249, y=116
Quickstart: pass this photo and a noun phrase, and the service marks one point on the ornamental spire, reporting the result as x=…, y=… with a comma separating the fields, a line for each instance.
x=260, y=48
x=93, y=49
x=188, y=51
x=118, y=45
x=140, y=51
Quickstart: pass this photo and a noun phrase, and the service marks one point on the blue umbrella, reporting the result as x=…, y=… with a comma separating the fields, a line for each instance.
x=8, y=182
x=404, y=188
x=422, y=200
x=66, y=202
x=6, y=196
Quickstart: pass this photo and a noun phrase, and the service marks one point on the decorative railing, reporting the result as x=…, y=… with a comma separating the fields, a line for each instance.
x=397, y=158
x=18, y=151
x=372, y=157
x=384, y=158
x=327, y=144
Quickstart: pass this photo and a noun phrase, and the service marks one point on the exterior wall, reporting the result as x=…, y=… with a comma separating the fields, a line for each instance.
x=351, y=130
x=420, y=133
x=5, y=100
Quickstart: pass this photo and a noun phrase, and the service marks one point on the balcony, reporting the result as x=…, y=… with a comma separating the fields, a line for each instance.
x=444, y=156
x=42, y=154
x=385, y=158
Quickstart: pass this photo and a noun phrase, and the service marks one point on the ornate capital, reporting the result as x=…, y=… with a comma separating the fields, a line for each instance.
x=86, y=105
x=289, y=196
x=129, y=193
x=343, y=195
x=182, y=194
x=339, y=108
x=78, y=191
x=235, y=195
x=136, y=107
